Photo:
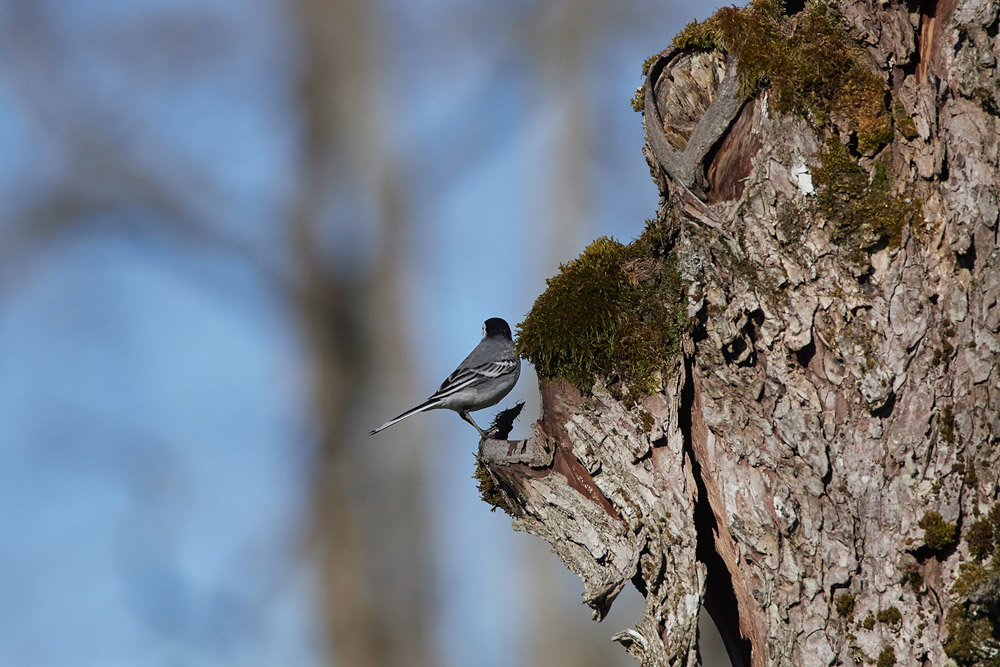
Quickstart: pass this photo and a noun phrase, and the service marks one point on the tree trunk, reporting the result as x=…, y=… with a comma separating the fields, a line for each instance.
x=376, y=598
x=816, y=461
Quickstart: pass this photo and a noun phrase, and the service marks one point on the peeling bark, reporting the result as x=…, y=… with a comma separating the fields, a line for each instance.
x=826, y=401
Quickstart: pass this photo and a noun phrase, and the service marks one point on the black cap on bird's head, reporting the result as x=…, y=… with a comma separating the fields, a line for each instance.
x=496, y=327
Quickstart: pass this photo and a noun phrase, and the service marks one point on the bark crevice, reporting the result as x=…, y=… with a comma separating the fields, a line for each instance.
x=719, y=597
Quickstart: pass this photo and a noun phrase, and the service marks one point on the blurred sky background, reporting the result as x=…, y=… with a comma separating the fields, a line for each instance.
x=235, y=235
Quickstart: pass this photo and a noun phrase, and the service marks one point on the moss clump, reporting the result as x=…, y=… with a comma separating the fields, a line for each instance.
x=647, y=421
x=845, y=605
x=869, y=622
x=970, y=638
x=971, y=576
x=973, y=623
x=890, y=616
x=979, y=538
x=573, y=324
x=948, y=425
x=647, y=64
x=887, y=658
x=791, y=223
x=862, y=99
x=638, y=101
x=938, y=533
x=752, y=34
x=814, y=69
x=861, y=208
x=983, y=536
x=903, y=122
x=616, y=312
x=914, y=577
x=971, y=478
x=826, y=73
x=488, y=490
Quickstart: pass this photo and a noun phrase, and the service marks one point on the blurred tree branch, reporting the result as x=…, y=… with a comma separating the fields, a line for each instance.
x=369, y=522
x=106, y=179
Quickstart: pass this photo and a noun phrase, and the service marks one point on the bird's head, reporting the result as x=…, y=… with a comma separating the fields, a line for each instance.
x=496, y=327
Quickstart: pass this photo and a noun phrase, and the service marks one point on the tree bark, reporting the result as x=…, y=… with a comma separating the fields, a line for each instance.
x=821, y=458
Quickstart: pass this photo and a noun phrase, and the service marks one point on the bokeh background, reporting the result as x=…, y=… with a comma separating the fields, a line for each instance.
x=235, y=235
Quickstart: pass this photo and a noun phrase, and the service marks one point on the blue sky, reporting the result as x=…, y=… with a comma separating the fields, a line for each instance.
x=153, y=407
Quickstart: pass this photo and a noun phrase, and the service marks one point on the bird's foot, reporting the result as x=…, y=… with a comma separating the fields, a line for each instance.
x=467, y=417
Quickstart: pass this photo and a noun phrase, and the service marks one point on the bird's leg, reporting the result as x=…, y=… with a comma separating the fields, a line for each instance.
x=464, y=414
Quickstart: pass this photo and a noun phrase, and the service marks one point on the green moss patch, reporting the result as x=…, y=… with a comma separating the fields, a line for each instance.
x=903, y=123
x=971, y=641
x=845, y=605
x=646, y=420
x=488, y=489
x=617, y=312
x=938, y=533
x=983, y=536
x=887, y=658
x=948, y=424
x=753, y=34
x=914, y=577
x=638, y=101
x=812, y=68
x=973, y=622
x=860, y=207
x=890, y=616
x=811, y=65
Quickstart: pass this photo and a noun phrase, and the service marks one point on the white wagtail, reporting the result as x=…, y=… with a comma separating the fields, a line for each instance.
x=487, y=375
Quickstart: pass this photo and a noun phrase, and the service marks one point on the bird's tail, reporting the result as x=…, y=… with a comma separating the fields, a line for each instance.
x=429, y=404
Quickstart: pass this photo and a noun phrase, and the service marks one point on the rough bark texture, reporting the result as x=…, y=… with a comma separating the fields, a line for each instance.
x=833, y=393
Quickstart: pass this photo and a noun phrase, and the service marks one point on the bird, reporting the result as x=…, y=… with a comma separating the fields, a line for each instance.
x=481, y=380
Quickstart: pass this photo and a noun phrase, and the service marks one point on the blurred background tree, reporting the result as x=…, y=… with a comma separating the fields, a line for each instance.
x=234, y=237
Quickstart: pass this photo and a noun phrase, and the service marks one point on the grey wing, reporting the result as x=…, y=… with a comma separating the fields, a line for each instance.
x=465, y=375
